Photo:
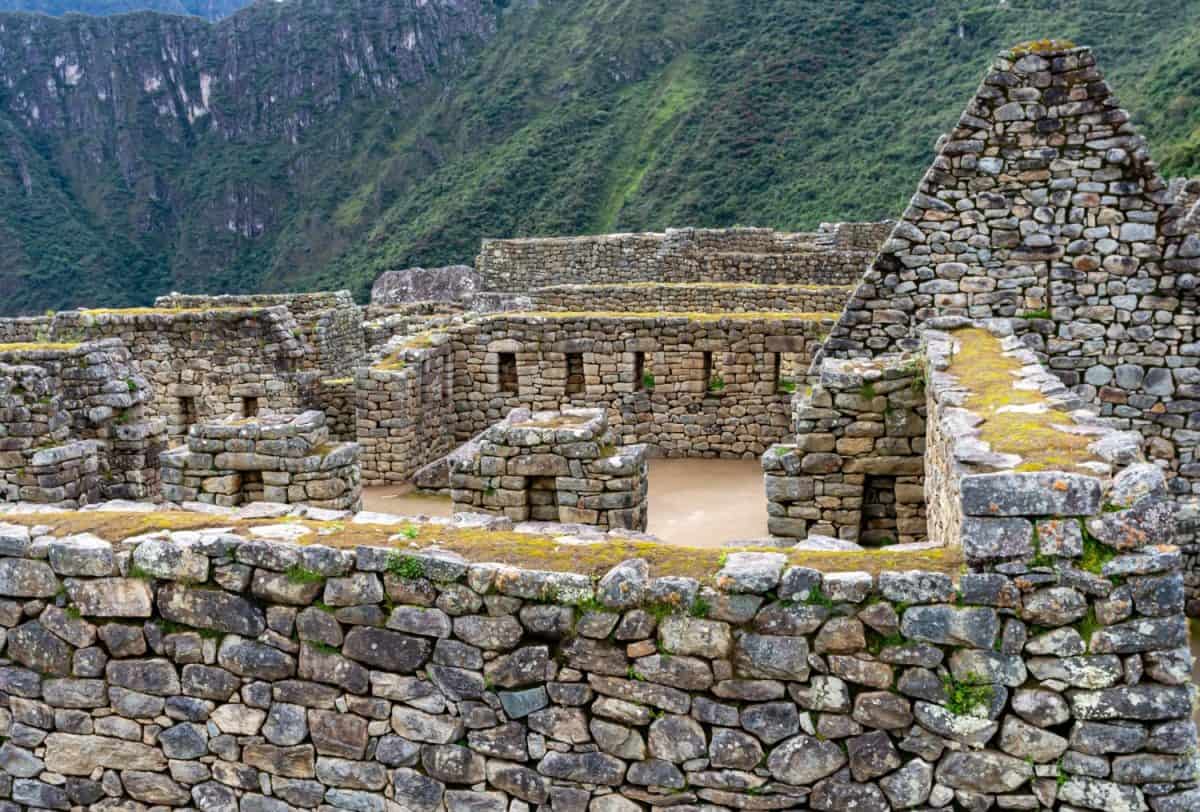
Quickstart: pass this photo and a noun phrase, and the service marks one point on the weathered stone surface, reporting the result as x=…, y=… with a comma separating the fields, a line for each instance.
x=983, y=771
x=111, y=597
x=804, y=760
x=80, y=755
x=210, y=609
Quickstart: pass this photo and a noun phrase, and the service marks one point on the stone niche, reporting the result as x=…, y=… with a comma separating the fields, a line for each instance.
x=556, y=466
x=287, y=459
x=856, y=468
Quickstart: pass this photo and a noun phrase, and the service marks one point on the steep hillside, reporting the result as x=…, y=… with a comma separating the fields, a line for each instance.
x=319, y=142
x=210, y=9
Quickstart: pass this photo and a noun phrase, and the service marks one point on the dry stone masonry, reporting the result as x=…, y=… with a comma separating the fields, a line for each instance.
x=556, y=467
x=286, y=459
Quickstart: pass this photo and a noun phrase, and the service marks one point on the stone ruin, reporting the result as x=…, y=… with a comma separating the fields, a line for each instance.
x=553, y=467
x=995, y=395
x=285, y=459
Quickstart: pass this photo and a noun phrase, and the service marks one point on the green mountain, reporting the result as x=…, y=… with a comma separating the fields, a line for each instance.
x=211, y=9
x=316, y=143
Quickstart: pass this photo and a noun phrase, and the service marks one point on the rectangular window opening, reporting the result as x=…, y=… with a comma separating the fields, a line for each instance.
x=249, y=407
x=706, y=373
x=575, y=378
x=187, y=413
x=252, y=486
x=507, y=367
x=878, y=526
x=640, y=382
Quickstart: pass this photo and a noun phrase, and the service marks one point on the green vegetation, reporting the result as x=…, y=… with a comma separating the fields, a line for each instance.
x=303, y=575
x=969, y=697
x=716, y=384
x=576, y=117
x=408, y=567
x=1095, y=554
x=647, y=380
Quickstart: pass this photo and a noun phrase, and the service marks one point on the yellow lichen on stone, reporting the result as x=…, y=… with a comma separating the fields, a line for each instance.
x=1041, y=46
x=766, y=315
x=989, y=375
x=35, y=346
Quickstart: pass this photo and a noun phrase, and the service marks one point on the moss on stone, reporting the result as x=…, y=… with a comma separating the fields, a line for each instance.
x=989, y=376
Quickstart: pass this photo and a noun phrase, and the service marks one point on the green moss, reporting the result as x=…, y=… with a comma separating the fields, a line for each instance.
x=302, y=575
x=716, y=384
x=1095, y=553
x=1044, y=313
x=647, y=380
x=817, y=597
x=1088, y=626
x=867, y=391
x=700, y=608
x=786, y=386
x=408, y=567
x=968, y=697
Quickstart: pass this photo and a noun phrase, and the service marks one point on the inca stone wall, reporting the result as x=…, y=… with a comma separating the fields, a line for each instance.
x=855, y=469
x=691, y=297
x=204, y=670
x=405, y=411
x=203, y=364
x=285, y=459
x=330, y=321
x=75, y=425
x=560, y=466
x=1043, y=202
x=836, y=255
x=687, y=386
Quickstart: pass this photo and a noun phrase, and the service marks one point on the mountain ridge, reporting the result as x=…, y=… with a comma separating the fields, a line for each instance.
x=324, y=151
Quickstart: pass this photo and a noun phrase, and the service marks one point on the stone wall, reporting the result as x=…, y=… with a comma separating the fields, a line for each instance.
x=22, y=329
x=749, y=255
x=694, y=297
x=330, y=321
x=1043, y=202
x=208, y=671
x=560, y=466
x=405, y=410
x=285, y=460
x=686, y=386
x=855, y=469
x=74, y=426
x=203, y=364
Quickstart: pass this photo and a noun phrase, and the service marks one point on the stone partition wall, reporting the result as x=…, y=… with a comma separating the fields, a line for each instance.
x=74, y=426
x=278, y=459
x=203, y=670
x=749, y=255
x=560, y=466
x=22, y=329
x=1043, y=202
x=647, y=370
x=405, y=410
x=203, y=364
x=711, y=297
x=330, y=321
x=855, y=470
x=338, y=399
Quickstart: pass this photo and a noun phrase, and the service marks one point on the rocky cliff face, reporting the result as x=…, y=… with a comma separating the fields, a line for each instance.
x=123, y=121
x=209, y=9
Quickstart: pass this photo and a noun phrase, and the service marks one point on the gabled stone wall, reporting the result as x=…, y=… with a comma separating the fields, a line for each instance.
x=1043, y=202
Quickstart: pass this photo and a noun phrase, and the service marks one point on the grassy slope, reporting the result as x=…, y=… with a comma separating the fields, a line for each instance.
x=585, y=116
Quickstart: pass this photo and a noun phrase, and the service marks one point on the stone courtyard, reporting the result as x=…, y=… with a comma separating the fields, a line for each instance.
x=977, y=426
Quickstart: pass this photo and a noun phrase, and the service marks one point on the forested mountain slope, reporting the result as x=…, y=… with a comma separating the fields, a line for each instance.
x=211, y=9
x=315, y=143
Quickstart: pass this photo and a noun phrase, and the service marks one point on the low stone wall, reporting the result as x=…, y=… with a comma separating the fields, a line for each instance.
x=337, y=398
x=556, y=467
x=209, y=671
x=405, y=411
x=22, y=329
x=74, y=426
x=750, y=255
x=855, y=470
x=282, y=459
x=686, y=385
x=697, y=297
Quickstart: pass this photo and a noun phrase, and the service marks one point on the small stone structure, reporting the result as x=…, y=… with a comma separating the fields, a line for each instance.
x=559, y=466
x=855, y=470
x=75, y=425
x=286, y=459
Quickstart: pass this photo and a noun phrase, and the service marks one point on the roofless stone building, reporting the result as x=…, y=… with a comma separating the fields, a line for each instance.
x=977, y=426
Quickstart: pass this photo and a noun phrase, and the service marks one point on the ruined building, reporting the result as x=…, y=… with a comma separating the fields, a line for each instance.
x=977, y=426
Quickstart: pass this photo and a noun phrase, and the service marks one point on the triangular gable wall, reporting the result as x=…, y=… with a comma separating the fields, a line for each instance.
x=1043, y=202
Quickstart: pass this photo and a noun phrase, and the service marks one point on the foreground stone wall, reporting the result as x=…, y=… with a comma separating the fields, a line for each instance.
x=751, y=255
x=207, y=671
x=697, y=297
x=687, y=386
